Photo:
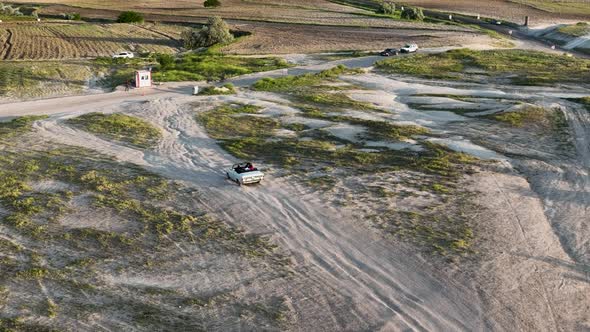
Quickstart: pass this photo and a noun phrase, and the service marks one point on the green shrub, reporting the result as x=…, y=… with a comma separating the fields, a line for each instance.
x=165, y=60
x=215, y=32
x=387, y=7
x=212, y=3
x=130, y=17
x=412, y=13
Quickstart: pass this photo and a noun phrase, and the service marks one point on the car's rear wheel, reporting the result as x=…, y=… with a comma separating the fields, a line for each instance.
x=227, y=174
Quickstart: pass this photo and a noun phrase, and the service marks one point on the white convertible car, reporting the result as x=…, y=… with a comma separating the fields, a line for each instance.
x=244, y=173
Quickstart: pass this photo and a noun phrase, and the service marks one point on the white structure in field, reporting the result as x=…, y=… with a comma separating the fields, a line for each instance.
x=143, y=78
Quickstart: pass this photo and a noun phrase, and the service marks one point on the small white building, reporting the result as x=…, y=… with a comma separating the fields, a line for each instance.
x=143, y=78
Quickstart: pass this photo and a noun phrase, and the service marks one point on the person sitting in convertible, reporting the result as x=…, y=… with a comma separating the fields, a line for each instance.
x=242, y=168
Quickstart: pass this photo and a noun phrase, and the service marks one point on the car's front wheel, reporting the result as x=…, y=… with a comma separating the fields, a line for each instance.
x=238, y=182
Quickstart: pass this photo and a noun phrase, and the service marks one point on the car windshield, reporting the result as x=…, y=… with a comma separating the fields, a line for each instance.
x=408, y=46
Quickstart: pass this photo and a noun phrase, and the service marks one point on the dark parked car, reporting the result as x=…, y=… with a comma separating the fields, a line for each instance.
x=389, y=52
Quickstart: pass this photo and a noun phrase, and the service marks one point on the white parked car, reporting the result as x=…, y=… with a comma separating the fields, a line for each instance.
x=123, y=55
x=244, y=173
x=409, y=48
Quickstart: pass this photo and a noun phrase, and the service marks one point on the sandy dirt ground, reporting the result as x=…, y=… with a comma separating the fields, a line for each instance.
x=532, y=270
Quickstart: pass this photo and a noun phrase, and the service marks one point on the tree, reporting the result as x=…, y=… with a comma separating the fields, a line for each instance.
x=411, y=13
x=130, y=17
x=212, y=3
x=387, y=7
x=215, y=32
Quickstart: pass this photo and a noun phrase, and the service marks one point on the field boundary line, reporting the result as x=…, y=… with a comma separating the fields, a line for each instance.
x=8, y=44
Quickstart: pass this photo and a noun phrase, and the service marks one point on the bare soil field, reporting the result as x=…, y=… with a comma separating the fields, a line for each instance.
x=541, y=12
x=33, y=41
x=390, y=203
x=571, y=7
x=322, y=12
x=54, y=40
x=282, y=38
x=515, y=11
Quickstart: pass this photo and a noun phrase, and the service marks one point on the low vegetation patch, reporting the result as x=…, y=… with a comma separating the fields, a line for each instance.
x=376, y=130
x=130, y=17
x=532, y=116
x=249, y=136
x=18, y=125
x=331, y=99
x=516, y=66
x=230, y=121
x=226, y=89
x=435, y=230
x=208, y=66
x=291, y=82
x=312, y=89
x=576, y=30
x=24, y=79
x=212, y=3
x=119, y=127
x=584, y=101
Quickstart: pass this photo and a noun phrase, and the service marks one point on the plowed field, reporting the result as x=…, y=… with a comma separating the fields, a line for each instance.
x=42, y=41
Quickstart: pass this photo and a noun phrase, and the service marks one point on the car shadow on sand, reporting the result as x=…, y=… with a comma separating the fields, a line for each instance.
x=578, y=271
